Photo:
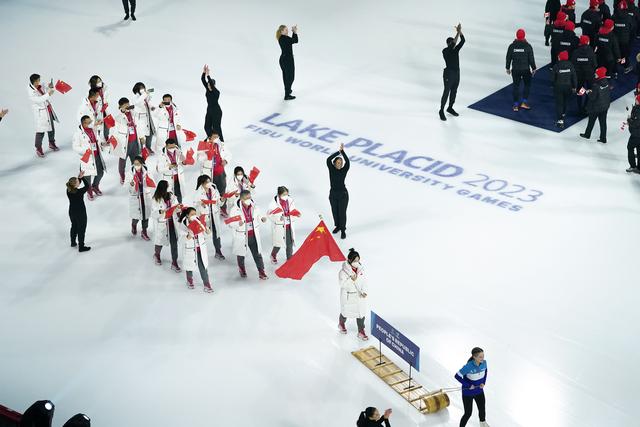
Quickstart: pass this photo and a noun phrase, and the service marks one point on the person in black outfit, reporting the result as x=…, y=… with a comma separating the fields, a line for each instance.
x=522, y=66
x=564, y=80
x=451, y=73
x=623, y=29
x=370, y=417
x=287, y=65
x=213, y=118
x=551, y=9
x=77, y=211
x=338, y=165
x=569, y=8
x=126, y=3
x=557, y=32
x=568, y=40
x=607, y=48
x=633, y=146
x=590, y=21
x=605, y=12
x=584, y=62
x=598, y=105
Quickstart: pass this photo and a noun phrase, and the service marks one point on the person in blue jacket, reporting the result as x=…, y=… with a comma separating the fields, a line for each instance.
x=473, y=377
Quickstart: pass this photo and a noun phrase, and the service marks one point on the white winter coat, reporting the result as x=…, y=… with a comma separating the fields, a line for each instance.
x=144, y=121
x=164, y=169
x=211, y=211
x=207, y=165
x=87, y=110
x=278, y=223
x=103, y=99
x=39, y=105
x=234, y=185
x=121, y=132
x=240, y=240
x=135, y=205
x=80, y=144
x=190, y=255
x=163, y=124
x=352, y=303
x=158, y=208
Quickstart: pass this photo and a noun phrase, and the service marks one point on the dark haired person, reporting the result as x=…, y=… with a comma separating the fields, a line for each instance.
x=168, y=123
x=633, y=146
x=77, y=212
x=607, y=48
x=370, y=417
x=598, y=104
x=584, y=62
x=171, y=165
x=623, y=29
x=139, y=197
x=473, y=377
x=195, y=249
x=142, y=102
x=522, y=66
x=90, y=106
x=590, y=21
x=563, y=76
x=165, y=228
x=282, y=213
x=78, y=420
x=338, y=165
x=451, y=73
x=246, y=233
x=213, y=118
x=214, y=161
x=126, y=4
x=85, y=141
x=287, y=64
x=207, y=201
x=102, y=102
x=43, y=113
x=551, y=9
x=126, y=134
x=236, y=184
x=557, y=33
x=353, y=294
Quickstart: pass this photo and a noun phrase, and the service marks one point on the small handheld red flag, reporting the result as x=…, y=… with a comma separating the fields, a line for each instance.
x=232, y=219
x=189, y=160
x=230, y=195
x=62, y=87
x=208, y=202
x=86, y=156
x=295, y=212
x=145, y=153
x=189, y=135
x=169, y=212
x=113, y=141
x=149, y=182
x=195, y=227
x=318, y=244
x=109, y=121
x=276, y=211
x=253, y=174
x=203, y=145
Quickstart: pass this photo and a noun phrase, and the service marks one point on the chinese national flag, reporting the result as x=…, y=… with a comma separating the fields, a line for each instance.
x=229, y=195
x=203, y=145
x=113, y=141
x=189, y=160
x=195, y=227
x=109, y=121
x=149, y=182
x=145, y=153
x=169, y=212
x=318, y=244
x=232, y=219
x=62, y=87
x=189, y=135
x=276, y=211
x=208, y=202
x=253, y=174
x=295, y=212
x=86, y=156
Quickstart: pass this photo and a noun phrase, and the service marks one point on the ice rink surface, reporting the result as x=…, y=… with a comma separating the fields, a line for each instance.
x=543, y=277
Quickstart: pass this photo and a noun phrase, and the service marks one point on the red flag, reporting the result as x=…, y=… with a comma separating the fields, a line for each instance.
x=232, y=219
x=169, y=212
x=145, y=153
x=195, y=227
x=229, y=195
x=104, y=108
x=62, y=87
x=318, y=244
x=189, y=160
x=113, y=141
x=86, y=156
x=149, y=182
x=109, y=121
x=276, y=211
x=253, y=174
x=189, y=135
x=295, y=212
x=208, y=202
x=203, y=145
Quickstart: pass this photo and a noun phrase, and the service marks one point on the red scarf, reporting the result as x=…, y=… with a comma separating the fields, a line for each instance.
x=218, y=167
x=93, y=141
x=248, y=217
x=285, y=209
x=133, y=136
x=139, y=176
x=167, y=203
x=172, y=127
x=94, y=105
x=172, y=158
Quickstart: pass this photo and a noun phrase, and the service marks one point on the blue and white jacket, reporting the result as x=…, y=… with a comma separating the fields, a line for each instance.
x=472, y=375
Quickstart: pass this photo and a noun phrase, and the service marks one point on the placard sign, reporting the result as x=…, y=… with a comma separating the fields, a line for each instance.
x=392, y=338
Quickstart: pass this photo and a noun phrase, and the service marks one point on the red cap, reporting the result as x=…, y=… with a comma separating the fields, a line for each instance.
x=593, y=4
x=569, y=25
x=608, y=24
x=520, y=34
x=638, y=99
x=584, y=40
x=561, y=16
x=622, y=5
x=601, y=72
x=570, y=3
x=563, y=56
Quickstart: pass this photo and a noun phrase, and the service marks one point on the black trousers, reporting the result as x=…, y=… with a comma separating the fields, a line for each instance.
x=257, y=256
x=451, y=80
x=339, y=200
x=213, y=123
x=204, y=273
x=125, y=3
x=359, y=321
x=173, y=243
x=467, y=402
x=220, y=182
x=562, y=95
x=177, y=190
x=78, y=227
x=584, y=80
x=288, y=73
x=518, y=76
x=96, y=180
x=625, y=51
x=602, y=121
x=633, y=151
x=215, y=234
x=51, y=134
x=288, y=243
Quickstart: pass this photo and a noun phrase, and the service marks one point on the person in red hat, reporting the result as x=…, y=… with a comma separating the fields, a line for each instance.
x=451, y=73
x=634, y=13
x=564, y=80
x=521, y=65
x=569, y=8
x=633, y=146
x=598, y=105
x=623, y=28
x=556, y=36
x=607, y=48
x=584, y=62
x=569, y=40
x=603, y=8
x=551, y=9
x=590, y=21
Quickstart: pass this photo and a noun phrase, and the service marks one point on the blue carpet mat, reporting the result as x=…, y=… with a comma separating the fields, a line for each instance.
x=542, y=102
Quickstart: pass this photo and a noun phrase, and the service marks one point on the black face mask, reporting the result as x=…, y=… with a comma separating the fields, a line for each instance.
x=166, y=102
x=130, y=107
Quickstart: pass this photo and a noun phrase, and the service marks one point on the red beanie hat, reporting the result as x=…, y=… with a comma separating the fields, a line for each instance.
x=601, y=72
x=563, y=56
x=520, y=34
x=622, y=5
x=608, y=24
x=638, y=99
x=561, y=16
x=593, y=4
x=569, y=25
x=584, y=40
x=571, y=3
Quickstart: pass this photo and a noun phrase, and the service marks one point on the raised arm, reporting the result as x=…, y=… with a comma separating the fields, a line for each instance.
x=204, y=81
x=462, y=39
x=294, y=38
x=347, y=163
x=331, y=158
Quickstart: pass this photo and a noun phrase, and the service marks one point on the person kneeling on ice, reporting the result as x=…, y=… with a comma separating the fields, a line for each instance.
x=370, y=417
x=522, y=66
x=353, y=295
x=473, y=377
x=245, y=220
x=282, y=213
x=139, y=197
x=195, y=249
x=165, y=230
x=208, y=202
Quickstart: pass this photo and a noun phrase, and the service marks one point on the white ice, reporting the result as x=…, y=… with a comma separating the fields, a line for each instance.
x=550, y=292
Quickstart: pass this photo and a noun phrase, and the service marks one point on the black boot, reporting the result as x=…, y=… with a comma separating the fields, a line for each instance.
x=84, y=248
x=73, y=244
x=126, y=17
x=289, y=97
x=442, y=116
x=453, y=112
x=133, y=17
x=335, y=230
x=585, y=136
x=343, y=234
